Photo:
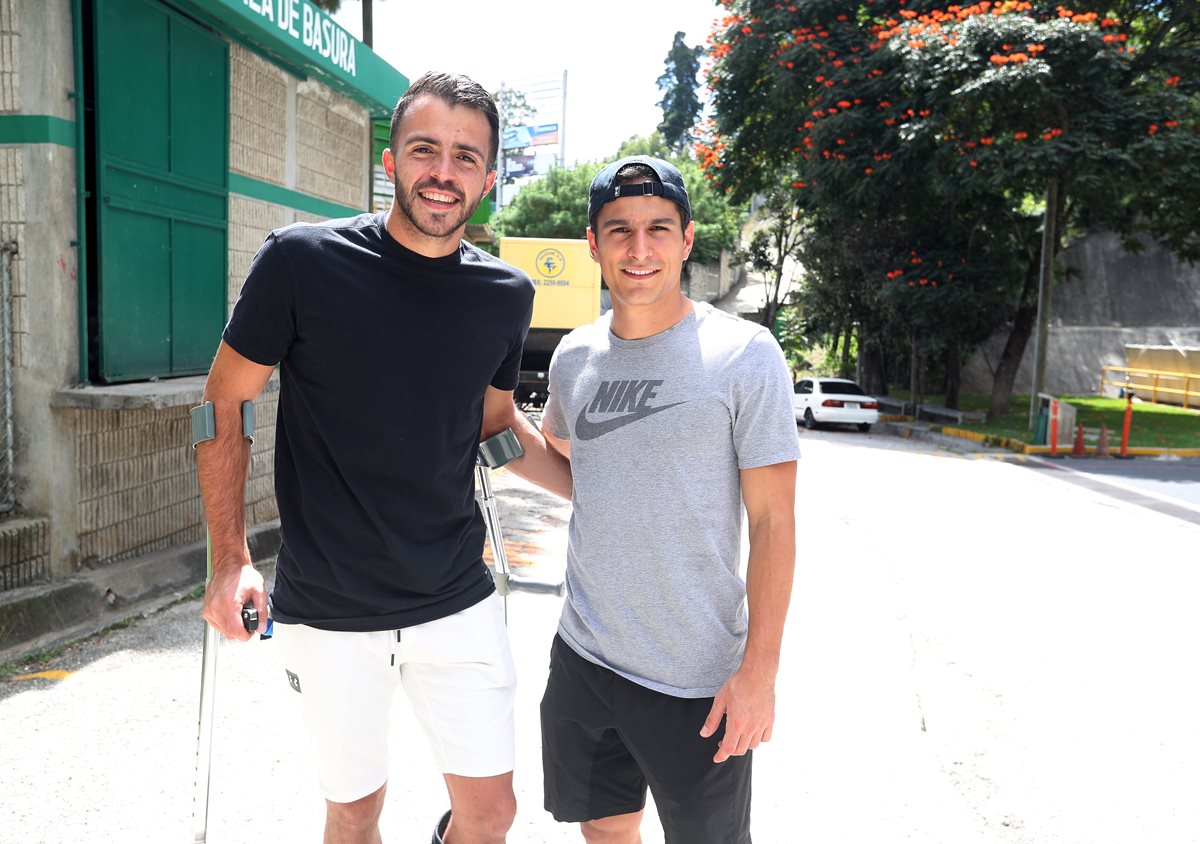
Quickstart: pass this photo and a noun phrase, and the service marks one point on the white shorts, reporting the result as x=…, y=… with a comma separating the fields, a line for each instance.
x=458, y=674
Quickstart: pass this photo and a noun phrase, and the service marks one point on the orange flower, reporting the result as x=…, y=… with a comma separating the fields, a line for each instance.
x=868, y=170
x=998, y=59
x=1153, y=128
x=843, y=104
x=1172, y=81
x=1020, y=136
x=1018, y=58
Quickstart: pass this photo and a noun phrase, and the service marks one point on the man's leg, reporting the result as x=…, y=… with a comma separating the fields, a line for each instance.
x=590, y=777
x=699, y=801
x=344, y=684
x=615, y=829
x=482, y=809
x=356, y=822
x=459, y=676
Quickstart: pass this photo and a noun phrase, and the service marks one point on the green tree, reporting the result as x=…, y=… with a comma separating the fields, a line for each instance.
x=514, y=106
x=681, y=107
x=552, y=206
x=654, y=146
x=930, y=136
x=773, y=250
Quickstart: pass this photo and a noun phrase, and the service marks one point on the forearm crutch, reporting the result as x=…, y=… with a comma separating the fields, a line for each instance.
x=204, y=428
x=494, y=452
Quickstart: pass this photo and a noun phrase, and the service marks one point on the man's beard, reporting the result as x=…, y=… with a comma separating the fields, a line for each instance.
x=439, y=226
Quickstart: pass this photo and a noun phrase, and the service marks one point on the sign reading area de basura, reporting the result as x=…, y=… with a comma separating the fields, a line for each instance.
x=310, y=27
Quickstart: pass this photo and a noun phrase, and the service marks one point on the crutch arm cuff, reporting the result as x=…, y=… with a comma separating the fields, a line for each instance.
x=204, y=422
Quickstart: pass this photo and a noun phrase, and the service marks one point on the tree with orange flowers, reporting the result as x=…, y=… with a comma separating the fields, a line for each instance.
x=939, y=129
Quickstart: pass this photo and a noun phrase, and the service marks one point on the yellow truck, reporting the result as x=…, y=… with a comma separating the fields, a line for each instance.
x=567, y=295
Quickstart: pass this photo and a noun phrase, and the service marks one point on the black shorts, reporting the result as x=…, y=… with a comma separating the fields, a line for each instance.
x=605, y=738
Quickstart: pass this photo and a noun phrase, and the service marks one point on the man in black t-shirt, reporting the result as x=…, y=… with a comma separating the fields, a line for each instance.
x=399, y=347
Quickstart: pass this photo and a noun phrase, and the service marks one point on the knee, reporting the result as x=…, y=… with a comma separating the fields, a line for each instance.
x=358, y=815
x=616, y=829
x=486, y=822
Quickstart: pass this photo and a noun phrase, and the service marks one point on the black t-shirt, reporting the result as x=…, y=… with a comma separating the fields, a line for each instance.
x=385, y=357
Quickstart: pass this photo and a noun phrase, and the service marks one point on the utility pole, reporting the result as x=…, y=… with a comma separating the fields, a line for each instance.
x=1045, y=276
x=562, y=125
x=500, y=154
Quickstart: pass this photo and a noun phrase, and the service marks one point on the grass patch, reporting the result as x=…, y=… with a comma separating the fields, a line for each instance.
x=1152, y=425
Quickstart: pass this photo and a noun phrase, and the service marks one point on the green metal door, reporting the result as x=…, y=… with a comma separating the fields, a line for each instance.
x=162, y=141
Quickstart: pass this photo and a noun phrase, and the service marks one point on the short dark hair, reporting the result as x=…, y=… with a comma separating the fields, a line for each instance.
x=453, y=89
x=636, y=173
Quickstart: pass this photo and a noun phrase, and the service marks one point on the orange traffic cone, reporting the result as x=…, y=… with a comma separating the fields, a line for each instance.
x=1078, y=450
x=1102, y=443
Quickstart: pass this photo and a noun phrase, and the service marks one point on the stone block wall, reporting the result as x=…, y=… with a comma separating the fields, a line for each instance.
x=250, y=221
x=258, y=117
x=137, y=483
x=10, y=58
x=333, y=146
x=24, y=552
x=138, y=491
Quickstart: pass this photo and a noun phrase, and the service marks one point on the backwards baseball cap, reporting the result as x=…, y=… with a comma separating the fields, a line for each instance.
x=605, y=188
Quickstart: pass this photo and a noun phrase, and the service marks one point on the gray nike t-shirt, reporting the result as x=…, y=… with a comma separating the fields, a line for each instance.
x=659, y=429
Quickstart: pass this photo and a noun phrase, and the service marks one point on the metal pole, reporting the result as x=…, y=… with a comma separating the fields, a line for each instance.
x=208, y=691
x=7, y=496
x=500, y=155
x=1044, y=274
x=491, y=518
x=562, y=126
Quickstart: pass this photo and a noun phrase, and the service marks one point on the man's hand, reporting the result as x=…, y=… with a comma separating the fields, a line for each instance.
x=748, y=706
x=229, y=590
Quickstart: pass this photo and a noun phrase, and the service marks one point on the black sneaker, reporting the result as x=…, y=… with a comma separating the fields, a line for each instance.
x=440, y=829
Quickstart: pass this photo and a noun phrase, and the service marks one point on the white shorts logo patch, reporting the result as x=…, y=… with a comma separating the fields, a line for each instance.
x=293, y=680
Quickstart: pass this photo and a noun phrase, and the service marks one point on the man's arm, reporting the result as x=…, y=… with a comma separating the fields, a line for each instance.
x=541, y=464
x=563, y=447
x=747, y=700
x=221, y=465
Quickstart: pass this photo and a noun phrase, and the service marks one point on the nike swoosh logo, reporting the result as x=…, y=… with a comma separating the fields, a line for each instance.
x=585, y=429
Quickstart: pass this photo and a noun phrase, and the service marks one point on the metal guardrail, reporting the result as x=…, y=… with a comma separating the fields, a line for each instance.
x=1186, y=384
x=8, y=497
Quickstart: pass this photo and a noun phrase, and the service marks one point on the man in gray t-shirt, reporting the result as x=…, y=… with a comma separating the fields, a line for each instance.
x=674, y=416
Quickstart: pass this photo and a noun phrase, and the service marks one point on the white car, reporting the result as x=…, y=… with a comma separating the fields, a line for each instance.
x=817, y=401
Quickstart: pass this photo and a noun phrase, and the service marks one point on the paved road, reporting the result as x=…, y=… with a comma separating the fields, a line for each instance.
x=1150, y=481
x=977, y=653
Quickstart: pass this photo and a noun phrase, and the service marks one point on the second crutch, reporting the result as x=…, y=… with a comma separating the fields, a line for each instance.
x=496, y=451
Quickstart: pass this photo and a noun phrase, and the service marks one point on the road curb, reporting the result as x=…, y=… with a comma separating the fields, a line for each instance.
x=48, y=615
